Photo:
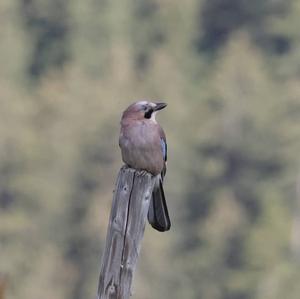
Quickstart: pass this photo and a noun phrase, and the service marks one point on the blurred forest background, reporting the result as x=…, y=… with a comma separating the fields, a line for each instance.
x=230, y=72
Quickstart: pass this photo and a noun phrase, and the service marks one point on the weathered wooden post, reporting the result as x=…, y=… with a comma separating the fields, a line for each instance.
x=125, y=232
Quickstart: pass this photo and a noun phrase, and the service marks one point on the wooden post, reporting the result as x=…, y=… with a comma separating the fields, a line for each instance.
x=125, y=232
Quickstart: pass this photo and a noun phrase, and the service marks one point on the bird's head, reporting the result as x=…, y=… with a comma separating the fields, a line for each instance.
x=143, y=110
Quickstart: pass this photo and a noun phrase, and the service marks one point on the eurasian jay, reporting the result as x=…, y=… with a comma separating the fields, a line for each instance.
x=143, y=146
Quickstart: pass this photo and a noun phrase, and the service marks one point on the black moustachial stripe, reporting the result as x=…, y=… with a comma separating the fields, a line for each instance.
x=148, y=113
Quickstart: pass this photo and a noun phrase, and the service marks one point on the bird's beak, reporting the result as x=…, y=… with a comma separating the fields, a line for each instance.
x=159, y=106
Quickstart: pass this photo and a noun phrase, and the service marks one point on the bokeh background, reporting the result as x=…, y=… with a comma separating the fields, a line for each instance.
x=230, y=72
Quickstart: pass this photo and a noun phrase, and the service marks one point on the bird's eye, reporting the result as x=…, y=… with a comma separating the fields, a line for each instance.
x=144, y=107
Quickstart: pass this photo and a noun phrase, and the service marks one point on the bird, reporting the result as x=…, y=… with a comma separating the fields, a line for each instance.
x=144, y=147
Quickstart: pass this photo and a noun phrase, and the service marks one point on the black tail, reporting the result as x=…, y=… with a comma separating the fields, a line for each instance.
x=158, y=215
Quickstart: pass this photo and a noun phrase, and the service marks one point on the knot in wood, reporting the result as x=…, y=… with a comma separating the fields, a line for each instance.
x=147, y=195
x=125, y=188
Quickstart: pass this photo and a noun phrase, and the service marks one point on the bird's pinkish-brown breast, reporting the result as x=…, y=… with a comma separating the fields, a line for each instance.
x=141, y=147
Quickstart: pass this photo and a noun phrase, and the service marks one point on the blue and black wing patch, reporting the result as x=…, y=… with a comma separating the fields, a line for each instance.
x=164, y=148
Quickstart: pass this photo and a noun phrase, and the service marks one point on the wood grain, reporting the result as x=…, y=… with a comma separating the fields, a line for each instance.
x=125, y=232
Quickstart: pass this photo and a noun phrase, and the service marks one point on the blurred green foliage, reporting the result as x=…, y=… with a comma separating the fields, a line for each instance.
x=230, y=72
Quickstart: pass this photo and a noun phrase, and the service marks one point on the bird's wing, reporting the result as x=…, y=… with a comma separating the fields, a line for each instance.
x=163, y=144
x=158, y=215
